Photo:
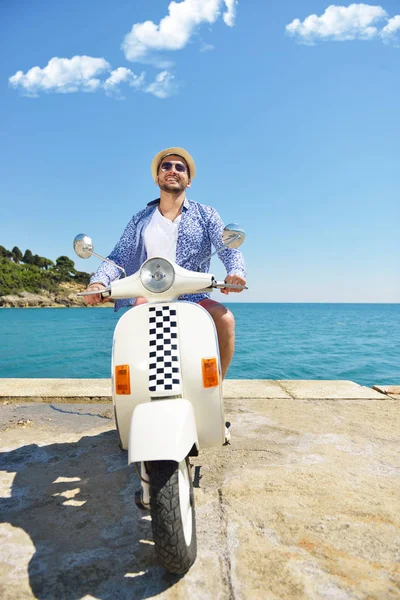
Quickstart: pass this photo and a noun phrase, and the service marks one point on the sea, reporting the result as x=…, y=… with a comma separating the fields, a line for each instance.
x=358, y=342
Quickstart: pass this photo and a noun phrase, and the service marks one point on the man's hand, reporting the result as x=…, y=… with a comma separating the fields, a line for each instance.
x=96, y=298
x=235, y=279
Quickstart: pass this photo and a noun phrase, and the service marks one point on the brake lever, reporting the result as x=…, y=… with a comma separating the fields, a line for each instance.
x=103, y=293
x=231, y=286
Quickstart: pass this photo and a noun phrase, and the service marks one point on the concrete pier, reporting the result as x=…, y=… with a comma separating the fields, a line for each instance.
x=304, y=503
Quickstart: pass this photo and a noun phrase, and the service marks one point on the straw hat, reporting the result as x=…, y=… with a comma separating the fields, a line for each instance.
x=167, y=152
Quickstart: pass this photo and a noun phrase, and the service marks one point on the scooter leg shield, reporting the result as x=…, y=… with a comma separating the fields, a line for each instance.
x=162, y=430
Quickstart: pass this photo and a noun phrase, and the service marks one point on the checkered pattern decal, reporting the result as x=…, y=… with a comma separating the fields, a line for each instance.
x=164, y=367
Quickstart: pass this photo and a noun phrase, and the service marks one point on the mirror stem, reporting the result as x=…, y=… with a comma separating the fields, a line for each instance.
x=231, y=239
x=109, y=261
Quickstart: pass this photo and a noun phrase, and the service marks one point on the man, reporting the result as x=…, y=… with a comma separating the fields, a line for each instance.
x=181, y=230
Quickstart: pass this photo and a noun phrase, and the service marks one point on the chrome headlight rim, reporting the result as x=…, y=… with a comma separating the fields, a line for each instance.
x=157, y=267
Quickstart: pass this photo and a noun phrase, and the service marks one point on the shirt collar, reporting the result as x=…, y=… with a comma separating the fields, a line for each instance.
x=157, y=201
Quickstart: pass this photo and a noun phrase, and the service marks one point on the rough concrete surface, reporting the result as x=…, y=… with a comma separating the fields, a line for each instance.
x=304, y=503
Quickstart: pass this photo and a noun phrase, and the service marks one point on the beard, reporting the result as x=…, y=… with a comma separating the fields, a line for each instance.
x=175, y=187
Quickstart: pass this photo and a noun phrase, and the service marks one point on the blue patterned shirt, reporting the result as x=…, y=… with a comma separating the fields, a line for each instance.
x=200, y=226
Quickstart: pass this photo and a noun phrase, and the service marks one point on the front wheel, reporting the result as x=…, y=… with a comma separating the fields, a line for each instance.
x=173, y=514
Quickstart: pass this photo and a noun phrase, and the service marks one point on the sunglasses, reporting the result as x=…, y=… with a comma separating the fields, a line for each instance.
x=168, y=166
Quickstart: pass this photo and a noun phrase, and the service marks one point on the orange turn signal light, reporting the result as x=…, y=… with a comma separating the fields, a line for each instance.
x=210, y=372
x=122, y=380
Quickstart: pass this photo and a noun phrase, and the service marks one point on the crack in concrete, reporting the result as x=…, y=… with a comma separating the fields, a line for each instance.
x=257, y=450
x=58, y=399
x=80, y=414
x=285, y=390
x=226, y=554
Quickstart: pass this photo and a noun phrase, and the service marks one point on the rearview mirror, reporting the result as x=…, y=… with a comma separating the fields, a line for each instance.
x=83, y=245
x=233, y=236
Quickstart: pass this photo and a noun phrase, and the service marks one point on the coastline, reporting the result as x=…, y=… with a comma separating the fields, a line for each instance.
x=64, y=297
x=106, y=305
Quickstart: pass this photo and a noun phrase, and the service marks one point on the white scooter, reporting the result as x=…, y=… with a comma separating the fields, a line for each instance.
x=167, y=390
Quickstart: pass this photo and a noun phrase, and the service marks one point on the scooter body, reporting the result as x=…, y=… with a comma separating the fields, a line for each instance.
x=167, y=348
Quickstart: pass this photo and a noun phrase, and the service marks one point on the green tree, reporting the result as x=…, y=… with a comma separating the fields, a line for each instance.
x=46, y=263
x=17, y=254
x=27, y=258
x=66, y=267
x=65, y=263
x=43, y=275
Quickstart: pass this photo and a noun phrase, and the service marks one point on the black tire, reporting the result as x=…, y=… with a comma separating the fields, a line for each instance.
x=176, y=547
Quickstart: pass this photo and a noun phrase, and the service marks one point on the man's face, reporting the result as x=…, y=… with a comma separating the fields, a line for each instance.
x=173, y=180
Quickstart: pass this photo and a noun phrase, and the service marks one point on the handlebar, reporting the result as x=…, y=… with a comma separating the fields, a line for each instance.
x=216, y=284
x=232, y=286
x=103, y=293
x=106, y=292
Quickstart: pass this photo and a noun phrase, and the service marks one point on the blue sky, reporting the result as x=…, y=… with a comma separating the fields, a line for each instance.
x=294, y=126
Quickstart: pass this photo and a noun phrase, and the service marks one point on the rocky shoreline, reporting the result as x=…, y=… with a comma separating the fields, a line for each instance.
x=65, y=297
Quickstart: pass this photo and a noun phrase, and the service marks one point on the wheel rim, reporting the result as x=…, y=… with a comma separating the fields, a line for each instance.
x=185, y=501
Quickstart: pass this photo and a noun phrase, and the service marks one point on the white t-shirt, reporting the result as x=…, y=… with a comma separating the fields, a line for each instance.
x=160, y=236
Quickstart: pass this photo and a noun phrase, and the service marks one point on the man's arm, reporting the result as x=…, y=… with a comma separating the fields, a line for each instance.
x=107, y=273
x=232, y=258
x=121, y=253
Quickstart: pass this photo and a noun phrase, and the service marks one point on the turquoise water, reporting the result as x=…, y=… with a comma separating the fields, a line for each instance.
x=360, y=342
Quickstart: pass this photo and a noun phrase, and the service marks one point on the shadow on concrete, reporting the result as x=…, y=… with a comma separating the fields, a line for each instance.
x=76, y=502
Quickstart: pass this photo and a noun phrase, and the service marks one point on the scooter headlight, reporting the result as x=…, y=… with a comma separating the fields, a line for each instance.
x=157, y=275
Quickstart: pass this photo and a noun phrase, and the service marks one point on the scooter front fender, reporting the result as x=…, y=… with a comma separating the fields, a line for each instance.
x=162, y=430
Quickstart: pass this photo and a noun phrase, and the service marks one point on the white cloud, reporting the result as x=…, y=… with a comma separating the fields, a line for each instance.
x=163, y=86
x=340, y=23
x=87, y=74
x=122, y=75
x=230, y=14
x=62, y=75
x=390, y=34
x=175, y=30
